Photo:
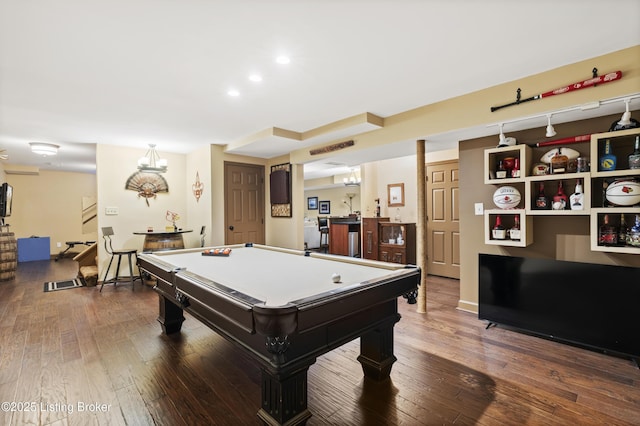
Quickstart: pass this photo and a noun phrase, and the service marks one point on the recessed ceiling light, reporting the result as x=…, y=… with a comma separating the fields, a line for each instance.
x=256, y=78
x=233, y=92
x=283, y=59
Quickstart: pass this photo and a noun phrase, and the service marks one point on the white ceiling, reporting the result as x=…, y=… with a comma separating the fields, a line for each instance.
x=134, y=72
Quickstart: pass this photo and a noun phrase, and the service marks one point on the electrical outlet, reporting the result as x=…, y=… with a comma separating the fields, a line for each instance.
x=479, y=209
x=111, y=211
x=58, y=244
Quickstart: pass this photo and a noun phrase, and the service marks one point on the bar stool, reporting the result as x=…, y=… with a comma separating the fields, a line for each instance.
x=107, y=232
x=323, y=227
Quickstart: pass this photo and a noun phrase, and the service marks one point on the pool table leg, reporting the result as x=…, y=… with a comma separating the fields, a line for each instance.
x=376, y=352
x=170, y=316
x=284, y=397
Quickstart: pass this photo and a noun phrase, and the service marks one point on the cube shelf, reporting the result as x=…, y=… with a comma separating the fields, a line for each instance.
x=506, y=216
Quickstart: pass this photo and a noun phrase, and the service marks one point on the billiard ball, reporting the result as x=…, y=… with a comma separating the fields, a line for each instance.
x=335, y=278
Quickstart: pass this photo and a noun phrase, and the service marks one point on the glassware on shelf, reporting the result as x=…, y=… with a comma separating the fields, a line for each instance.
x=623, y=231
x=501, y=170
x=633, y=238
x=582, y=164
x=514, y=231
x=499, y=232
x=560, y=200
x=541, y=201
x=515, y=171
x=608, y=233
x=576, y=200
x=607, y=162
x=634, y=157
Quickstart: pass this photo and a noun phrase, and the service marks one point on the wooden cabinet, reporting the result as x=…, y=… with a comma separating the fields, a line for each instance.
x=344, y=236
x=397, y=242
x=370, y=236
x=594, y=182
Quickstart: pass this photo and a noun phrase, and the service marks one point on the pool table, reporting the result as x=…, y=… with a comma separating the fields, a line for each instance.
x=284, y=308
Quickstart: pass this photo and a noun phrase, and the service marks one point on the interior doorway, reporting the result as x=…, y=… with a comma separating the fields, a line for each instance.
x=244, y=203
x=443, y=220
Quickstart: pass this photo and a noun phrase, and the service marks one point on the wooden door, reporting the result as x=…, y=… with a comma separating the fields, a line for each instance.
x=244, y=203
x=443, y=221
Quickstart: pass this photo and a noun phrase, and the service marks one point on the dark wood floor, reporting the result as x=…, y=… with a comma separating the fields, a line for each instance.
x=61, y=352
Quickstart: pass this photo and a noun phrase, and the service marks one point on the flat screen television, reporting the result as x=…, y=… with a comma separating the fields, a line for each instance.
x=589, y=305
x=6, y=198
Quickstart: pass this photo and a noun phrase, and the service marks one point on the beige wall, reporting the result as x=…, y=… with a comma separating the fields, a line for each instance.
x=286, y=231
x=49, y=204
x=555, y=237
x=337, y=196
x=114, y=165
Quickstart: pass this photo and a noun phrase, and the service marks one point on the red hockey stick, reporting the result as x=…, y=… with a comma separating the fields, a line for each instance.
x=612, y=76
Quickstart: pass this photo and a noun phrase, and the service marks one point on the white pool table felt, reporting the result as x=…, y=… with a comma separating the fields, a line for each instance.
x=273, y=276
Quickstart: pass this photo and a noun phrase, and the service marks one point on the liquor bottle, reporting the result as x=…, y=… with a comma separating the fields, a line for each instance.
x=560, y=200
x=607, y=161
x=634, y=157
x=514, y=232
x=607, y=234
x=515, y=172
x=633, y=238
x=558, y=163
x=542, y=201
x=501, y=171
x=499, y=232
x=623, y=231
x=576, y=200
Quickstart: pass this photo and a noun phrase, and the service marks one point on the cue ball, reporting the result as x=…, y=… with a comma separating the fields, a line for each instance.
x=335, y=278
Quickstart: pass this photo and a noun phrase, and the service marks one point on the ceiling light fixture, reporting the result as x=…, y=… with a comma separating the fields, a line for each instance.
x=502, y=141
x=625, y=120
x=550, y=130
x=352, y=180
x=584, y=107
x=45, y=149
x=283, y=60
x=151, y=162
x=256, y=78
x=233, y=92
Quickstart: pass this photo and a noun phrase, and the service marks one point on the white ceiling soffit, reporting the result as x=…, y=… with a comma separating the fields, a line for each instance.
x=275, y=141
x=343, y=162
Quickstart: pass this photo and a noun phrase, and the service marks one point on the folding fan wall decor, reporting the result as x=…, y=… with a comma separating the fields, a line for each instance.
x=147, y=185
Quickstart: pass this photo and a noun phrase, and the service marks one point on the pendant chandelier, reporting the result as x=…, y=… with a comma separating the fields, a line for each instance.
x=151, y=162
x=352, y=179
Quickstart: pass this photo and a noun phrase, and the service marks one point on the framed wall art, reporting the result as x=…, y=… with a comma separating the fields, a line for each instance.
x=395, y=194
x=312, y=203
x=325, y=207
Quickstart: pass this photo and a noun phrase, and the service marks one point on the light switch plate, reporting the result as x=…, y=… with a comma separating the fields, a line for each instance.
x=111, y=211
x=479, y=209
